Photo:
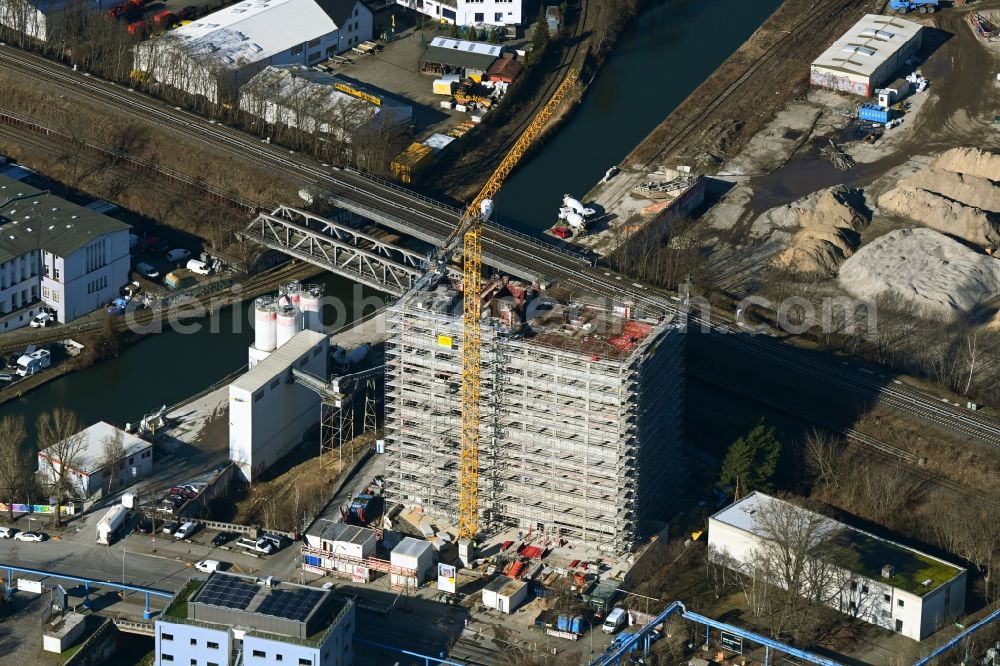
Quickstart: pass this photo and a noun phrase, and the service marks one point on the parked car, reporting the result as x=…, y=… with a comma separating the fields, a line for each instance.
x=147, y=271
x=41, y=320
x=277, y=540
x=208, y=566
x=617, y=619
x=170, y=526
x=199, y=267
x=186, y=530
x=159, y=247
x=562, y=232
x=178, y=255
x=222, y=538
x=29, y=536
x=6, y=378
x=7, y=532
x=145, y=526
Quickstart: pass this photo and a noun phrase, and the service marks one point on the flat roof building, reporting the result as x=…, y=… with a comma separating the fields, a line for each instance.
x=55, y=254
x=218, y=53
x=469, y=12
x=269, y=412
x=90, y=468
x=867, y=56
x=876, y=580
x=264, y=620
x=579, y=402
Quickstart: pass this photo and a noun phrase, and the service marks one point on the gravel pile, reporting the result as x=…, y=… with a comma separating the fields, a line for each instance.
x=829, y=222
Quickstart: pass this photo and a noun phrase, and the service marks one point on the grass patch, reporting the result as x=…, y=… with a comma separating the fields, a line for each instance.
x=869, y=554
x=178, y=607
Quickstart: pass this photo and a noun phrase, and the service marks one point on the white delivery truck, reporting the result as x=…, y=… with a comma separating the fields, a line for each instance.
x=35, y=362
x=110, y=523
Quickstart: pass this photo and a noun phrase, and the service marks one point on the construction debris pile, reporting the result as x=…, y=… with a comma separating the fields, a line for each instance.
x=829, y=222
x=837, y=157
x=938, y=274
x=954, y=195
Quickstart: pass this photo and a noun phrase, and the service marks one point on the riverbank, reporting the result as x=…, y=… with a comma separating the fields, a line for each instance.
x=133, y=330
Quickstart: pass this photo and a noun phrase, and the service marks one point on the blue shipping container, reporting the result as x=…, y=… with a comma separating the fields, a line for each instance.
x=563, y=624
x=575, y=627
x=312, y=560
x=875, y=114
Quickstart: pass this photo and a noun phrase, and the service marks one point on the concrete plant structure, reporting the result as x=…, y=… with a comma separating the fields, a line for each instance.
x=580, y=412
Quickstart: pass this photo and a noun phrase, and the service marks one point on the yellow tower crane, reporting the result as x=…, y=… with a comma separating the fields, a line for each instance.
x=470, y=229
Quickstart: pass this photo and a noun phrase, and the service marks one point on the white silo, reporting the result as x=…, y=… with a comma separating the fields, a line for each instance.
x=265, y=324
x=289, y=319
x=290, y=294
x=312, y=319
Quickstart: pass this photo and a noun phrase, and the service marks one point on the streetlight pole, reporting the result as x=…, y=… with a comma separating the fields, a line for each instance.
x=124, y=543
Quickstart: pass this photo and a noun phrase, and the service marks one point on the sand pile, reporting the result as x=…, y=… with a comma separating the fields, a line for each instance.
x=954, y=195
x=930, y=270
x=971, y=161
x=828, y=233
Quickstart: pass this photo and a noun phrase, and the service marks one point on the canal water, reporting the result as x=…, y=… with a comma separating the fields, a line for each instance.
x=663, y=56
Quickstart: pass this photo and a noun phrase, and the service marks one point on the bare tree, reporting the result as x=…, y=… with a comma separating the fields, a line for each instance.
x=823, y=455
x=13, y=465
x=111, y=458
x=61, y=442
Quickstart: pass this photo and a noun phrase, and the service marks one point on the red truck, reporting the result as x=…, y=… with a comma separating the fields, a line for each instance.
x=138, y=28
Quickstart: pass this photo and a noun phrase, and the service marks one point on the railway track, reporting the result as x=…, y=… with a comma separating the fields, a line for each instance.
x=570, y=270
x=822, y=10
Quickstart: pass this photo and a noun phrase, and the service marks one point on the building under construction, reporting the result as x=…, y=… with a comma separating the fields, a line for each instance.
x=580, y=411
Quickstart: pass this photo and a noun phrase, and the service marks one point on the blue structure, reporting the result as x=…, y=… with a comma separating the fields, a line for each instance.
x=428, y=660
x=87, y=582
x=874, y=113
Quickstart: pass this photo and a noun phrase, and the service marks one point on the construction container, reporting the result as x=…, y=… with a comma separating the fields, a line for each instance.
x=411, y=161
x=180, y=279
x=446, y=84
x=873, y=113
x=438, y=142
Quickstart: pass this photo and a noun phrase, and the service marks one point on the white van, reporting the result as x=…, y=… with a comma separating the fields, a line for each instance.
x=199, y=267
x=186, y=530
x=615, y=621
x=6, y=532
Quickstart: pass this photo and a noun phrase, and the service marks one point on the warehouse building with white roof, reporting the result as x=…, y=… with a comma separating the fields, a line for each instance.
x=216, y=54
x=867, y=56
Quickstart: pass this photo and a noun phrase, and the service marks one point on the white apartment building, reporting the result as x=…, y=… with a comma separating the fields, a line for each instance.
x=56, y=254
x=469, y=12
x=218, y=53
x=244, y=620
x=883, y=583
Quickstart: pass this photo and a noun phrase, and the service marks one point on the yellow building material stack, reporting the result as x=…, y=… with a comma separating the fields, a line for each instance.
x=411, y=161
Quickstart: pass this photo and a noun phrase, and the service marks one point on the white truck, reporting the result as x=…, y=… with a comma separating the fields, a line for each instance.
x=256, y=546
x=109, y=524
x=35, y=362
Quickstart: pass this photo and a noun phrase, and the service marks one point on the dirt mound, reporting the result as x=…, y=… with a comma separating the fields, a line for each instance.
x=940, y=212
x=971, y=161
x=972, y=191
x=830, y=220
x=937, y=273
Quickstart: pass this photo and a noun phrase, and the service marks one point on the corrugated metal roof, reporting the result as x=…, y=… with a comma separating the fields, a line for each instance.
x=460, y=53
x=280, y=360
x=867, y=45
x=411, y=547
x=32, y=219
x=347, y=533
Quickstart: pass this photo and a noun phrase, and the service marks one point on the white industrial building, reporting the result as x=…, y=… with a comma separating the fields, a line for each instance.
x=42, y=19
x=56, y=255
x=884, y=583
x=314, y=101
x=218, y=53
x=469, y=12
x=90, y=469
x=867, y=56
x=256, y=622
x=415, y=555
x=269, y=412
x=505, y=594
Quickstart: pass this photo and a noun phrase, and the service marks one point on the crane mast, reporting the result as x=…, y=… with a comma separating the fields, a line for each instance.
x=470, y=230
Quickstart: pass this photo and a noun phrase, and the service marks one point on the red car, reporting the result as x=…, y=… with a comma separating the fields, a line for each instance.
x=561, y=232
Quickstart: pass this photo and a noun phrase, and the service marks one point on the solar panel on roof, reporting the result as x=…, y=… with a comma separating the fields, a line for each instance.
x=290, y=604
x=227, y=592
